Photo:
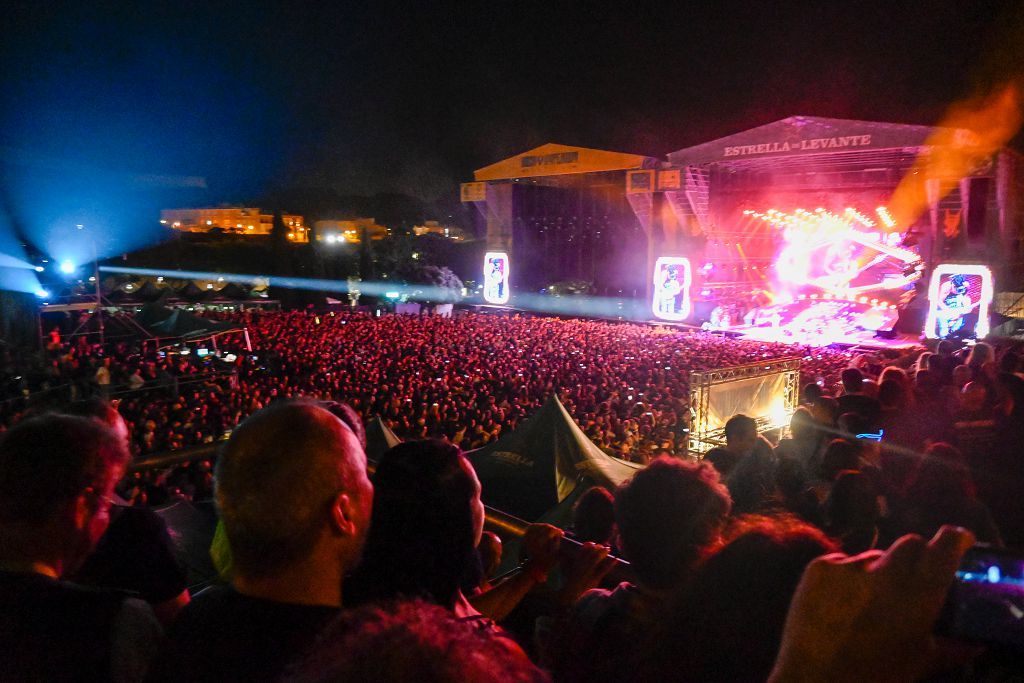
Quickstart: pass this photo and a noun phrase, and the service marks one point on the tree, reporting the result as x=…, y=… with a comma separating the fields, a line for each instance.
x=447, y=283
x=366, y=269
x=278, y=231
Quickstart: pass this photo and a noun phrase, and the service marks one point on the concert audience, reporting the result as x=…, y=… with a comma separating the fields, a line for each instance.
x=941, y=491
x=740, y=439
x=296, y=505
x=726, y=623
x=412, y=641
x=746, y=465
x=669, y=516
x=468, y=379
x=427, y=523
x=852, y=513
x=136, y=552
x=593, y=517
x=854, y=398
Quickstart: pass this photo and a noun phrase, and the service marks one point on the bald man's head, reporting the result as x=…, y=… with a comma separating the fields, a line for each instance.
x=277, y=479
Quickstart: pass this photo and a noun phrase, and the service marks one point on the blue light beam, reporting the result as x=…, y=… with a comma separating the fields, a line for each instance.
x=596, y=307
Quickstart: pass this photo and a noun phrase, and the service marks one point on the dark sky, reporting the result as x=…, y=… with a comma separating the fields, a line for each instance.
x=412, y=97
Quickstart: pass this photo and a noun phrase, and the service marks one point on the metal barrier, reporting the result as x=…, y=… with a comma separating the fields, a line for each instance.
x=497, y=521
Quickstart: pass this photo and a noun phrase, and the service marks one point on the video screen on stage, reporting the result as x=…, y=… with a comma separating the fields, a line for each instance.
x=959, y=297
x=848, y=263
x=496, y=271
x=672, y=280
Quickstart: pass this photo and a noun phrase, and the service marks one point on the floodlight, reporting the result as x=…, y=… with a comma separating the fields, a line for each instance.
x=67, y=267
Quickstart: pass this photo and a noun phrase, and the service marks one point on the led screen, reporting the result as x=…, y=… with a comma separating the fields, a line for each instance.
x=958, y=301
x=671, y=288
x=496, y=271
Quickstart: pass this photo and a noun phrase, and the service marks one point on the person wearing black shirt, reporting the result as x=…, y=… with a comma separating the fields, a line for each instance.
x=854, y=400
x=57, y=476
x=136, y=553
x=292, y=492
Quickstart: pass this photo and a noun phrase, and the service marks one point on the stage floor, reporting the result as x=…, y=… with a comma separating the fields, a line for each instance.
x=867, y=341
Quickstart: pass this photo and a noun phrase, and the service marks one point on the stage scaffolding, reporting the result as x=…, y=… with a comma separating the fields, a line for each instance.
x=708, y=431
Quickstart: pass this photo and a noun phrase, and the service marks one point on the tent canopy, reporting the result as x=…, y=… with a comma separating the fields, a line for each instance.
x=379, y=439
x=531, y=470
x=234, y=291
x=191, y=528
x=161, y=321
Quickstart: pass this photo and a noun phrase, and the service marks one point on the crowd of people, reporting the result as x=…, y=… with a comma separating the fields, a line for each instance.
x=467, y=379
x=826, y=555
x=337, y=577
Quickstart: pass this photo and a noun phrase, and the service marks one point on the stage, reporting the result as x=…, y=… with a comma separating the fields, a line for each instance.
x=799, y=231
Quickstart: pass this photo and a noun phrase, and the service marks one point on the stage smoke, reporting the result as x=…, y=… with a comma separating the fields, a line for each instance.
x=970, y=133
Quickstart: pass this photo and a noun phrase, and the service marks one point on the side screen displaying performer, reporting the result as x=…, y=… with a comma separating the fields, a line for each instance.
x=496, y=277
x=671, y=288
x=953, y=309
x=959, y=297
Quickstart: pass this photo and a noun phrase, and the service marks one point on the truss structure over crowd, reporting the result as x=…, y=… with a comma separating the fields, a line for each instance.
x=766, y=391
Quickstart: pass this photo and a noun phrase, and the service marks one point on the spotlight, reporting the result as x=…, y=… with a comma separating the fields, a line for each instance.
x=42, y=293
x=67, y=267
x=39, y=269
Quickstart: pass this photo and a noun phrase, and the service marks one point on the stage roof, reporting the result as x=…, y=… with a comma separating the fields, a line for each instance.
x=553, y=159
x=803, y=136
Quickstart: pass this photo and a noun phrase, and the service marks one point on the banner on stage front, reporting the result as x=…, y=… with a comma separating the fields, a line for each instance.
x=473, y=192
x=669, y=180
x=496, y=271
x=959, y=297
x=638, y=182
x=672, y=280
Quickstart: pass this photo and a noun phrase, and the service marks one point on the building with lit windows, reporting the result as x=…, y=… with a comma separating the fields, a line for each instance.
x=349, y=231
x=452, y=232
x=236, y=220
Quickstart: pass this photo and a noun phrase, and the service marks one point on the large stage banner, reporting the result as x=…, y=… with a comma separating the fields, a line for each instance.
x=553, y=159
x=959, y=297
x=496, y=272
x=672, y=279
x=753, y=396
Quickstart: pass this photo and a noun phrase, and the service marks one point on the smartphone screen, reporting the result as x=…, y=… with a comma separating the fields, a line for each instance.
x=986, y=602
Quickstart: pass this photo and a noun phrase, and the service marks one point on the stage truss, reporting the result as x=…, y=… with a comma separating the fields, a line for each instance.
x=703, y=435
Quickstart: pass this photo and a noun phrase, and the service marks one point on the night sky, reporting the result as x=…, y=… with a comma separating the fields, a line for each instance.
x=412, y=97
